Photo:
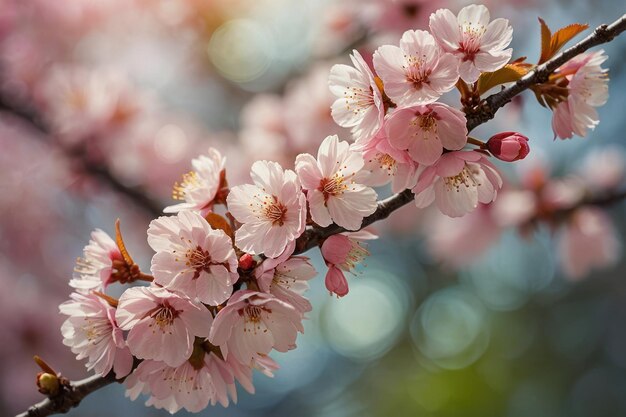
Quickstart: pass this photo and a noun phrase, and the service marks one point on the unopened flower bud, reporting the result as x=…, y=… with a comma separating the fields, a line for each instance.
x=48, y=384
x=508, y=146
x=246, y=262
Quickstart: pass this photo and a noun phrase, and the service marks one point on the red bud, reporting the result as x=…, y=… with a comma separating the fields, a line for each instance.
x=246, y=262
x=508, y=146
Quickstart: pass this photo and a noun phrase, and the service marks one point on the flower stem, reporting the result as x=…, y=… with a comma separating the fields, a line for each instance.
x=477, y=142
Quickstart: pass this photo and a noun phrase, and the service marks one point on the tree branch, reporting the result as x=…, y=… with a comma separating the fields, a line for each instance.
x=488, y=108
x=313, y=236
x=96, y=170
x=69, y=397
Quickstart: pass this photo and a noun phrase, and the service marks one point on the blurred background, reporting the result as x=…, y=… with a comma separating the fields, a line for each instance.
x=105, y=102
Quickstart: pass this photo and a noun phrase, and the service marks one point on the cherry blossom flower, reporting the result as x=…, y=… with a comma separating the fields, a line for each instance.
x=162, y=325
x=92, y=332
x=385, y=164
x=343, y=252
x=272, y=211
x=359, y=103
x=202, y=187
x=204, y=379
x=192, y=258
x=457, y=183
x=93, y=272
x=173, y=388
x=587, y=88
x=253, y=323
x=417, y=72
x=332, y=192
x=476, y=43
x=286, y=278
x=587, y=241
x=426, y=130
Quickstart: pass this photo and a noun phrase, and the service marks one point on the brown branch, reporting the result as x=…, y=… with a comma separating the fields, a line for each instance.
x=488, y=108
x=69, y=397
x=313, y=236
x=98, y=171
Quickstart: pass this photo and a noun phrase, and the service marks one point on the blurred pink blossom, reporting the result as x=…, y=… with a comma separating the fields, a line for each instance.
x=587, y=241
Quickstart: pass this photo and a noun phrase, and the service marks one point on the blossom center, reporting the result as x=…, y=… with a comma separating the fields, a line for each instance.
x=190, y=180
x=333, y=186
x=356, y=255
x=198, y=259
x=94, y=329
x=282, y=279
x=253, y=313
x=358, y=99
x=470, y=44
x=275, y=211
x=416, y=74
x=428, y=122
x=164, y=315
x=386, y=162
x=465, y=179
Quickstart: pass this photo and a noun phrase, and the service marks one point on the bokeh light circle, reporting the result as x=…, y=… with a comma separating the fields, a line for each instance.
x=366, y=323
x=450, y=328
x=241, y=50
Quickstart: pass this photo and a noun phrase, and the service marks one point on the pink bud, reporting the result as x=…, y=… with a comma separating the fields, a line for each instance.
x=246, y=262
x=508, y=146
x=336, y=281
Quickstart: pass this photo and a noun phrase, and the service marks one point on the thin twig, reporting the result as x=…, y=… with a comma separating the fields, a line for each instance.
x=488, y=108
x=313, y=236
x=69, y=397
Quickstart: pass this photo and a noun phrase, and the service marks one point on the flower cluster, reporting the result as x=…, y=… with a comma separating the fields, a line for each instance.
x=227, y=283
x=195, y=330
x=407, y=135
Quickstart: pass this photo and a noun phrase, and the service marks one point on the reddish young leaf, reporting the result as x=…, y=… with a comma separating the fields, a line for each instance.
x=552, y=43
x=546, y=40
x=120, y=244
x=508, y=73
x=218, y=222
x=564, y=35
